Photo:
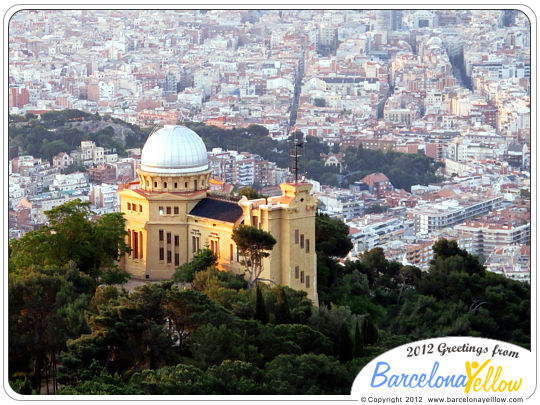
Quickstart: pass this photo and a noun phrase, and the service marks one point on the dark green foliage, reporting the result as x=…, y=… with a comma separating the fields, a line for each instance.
x=260, y=307
x=307, y=374
x=306, y=338
x=21, y=386
x=72, y=237
x=281, y=310
x=101, y=384
x=235, y=377
x=250, y=193
x=180, y=379
x=45, y=310
x=216, y=336
x=115, y=276
x=345, y=344
x=402, y=169
x=331, y=236
x=210, y=345
x=201, y=261
x=63, y=131
x=253, y=245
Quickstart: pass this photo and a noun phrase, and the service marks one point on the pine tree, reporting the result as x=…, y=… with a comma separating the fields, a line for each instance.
x=260, y=307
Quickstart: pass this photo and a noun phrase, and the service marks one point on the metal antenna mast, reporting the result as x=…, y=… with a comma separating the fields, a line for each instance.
x=295, y=155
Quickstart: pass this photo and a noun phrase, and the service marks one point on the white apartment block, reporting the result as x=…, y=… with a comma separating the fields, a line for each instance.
x=431, y=217
x=486, y=238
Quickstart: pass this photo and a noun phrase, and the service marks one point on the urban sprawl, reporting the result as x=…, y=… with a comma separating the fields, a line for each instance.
x=453, y=85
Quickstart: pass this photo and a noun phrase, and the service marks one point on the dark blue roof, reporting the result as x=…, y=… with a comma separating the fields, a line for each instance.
x=227, y=211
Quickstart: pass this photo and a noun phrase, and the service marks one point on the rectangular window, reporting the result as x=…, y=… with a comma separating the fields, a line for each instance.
x=160, y=210
x=176, y=240
x=169, y=256
x=255, y=221
x=301, y=276
x=141, y=246
x=168, y=210
x=194, y=244
x=231, y=252
x=296, y=235
x=168, y=237
x=176, y=259
x=302, y=241
x=129, y=238
x=214, y=247
x=135, y=245
x=307, y=245
x=161, y=235
x=296, y=271
x=161, y=253
x=140, y=208
x=129, y=206
x=307, y=281
x=176, y=211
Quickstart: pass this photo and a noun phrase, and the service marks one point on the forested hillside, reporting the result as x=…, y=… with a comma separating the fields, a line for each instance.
x=63, y=131
x=72, y=331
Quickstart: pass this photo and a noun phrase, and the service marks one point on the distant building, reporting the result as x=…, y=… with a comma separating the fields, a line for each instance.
x=18, y=97
x=487, y=237
x=378, y=184
x=102, y=174
x=434, y=216
x=62, y=160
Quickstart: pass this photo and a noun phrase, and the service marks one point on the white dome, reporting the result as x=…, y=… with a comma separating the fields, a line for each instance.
x=174, y=149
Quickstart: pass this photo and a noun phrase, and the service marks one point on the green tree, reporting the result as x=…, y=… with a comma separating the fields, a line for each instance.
x=260, y=307
x=306, y=338
x=307, y=374
x=345, y=344
x=185, y=311
x=254, y=245
x=319, y=102
x=72, y=236
x=43, y=308
x=201, y=261
x=236, y=377
x=331, y=236
x=180, y=379
x=250, y=193
x=210, y=345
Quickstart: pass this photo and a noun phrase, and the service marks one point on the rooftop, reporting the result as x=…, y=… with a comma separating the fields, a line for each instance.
x=221, y=210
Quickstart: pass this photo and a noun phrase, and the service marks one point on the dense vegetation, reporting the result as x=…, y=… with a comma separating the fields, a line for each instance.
x=63, y=131
x=402, y=169
x=72, y=333
x=457, y=297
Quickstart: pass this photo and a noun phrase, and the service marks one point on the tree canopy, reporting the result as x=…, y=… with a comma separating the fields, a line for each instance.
x=211, y=334
x=253, y=245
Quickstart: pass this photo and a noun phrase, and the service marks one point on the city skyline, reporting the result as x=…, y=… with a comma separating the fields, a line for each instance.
x=392, y=80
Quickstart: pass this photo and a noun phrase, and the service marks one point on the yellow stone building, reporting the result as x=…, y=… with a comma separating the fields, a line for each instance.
x=170, y=216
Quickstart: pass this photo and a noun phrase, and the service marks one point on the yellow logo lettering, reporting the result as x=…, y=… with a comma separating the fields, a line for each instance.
x=470, y=375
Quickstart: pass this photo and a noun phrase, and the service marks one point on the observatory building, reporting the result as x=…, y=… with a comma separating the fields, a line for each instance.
x=170, y=215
